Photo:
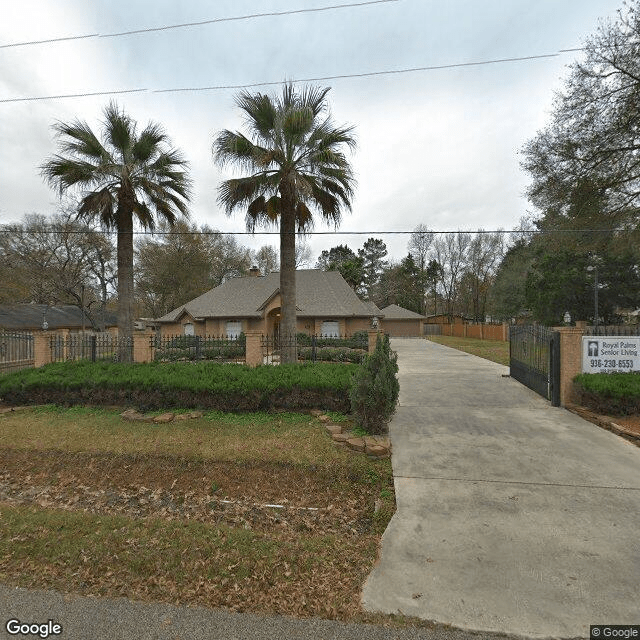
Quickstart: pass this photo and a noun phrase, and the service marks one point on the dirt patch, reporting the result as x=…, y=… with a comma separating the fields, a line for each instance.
x=626, y=426
x=630, y=423
x=248, y=495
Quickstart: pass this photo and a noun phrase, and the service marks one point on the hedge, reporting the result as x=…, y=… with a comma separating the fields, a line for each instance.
x=206, y=385
x=609, y=393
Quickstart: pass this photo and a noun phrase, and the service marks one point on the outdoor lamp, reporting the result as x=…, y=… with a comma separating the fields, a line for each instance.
x=567, y=317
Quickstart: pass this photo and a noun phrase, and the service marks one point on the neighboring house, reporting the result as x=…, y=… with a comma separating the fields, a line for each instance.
x=325, y=303
x=31, y=317
x=399, y=322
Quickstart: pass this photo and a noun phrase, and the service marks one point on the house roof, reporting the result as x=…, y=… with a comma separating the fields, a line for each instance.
x=318, y=294
x=30, y=316
x=396, y=312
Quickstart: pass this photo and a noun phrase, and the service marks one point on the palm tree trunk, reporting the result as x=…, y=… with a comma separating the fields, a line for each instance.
x=125, y=283
x=288, y=279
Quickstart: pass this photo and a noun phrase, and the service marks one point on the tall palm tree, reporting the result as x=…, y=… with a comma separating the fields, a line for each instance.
x=294, y=156
x=124, y=177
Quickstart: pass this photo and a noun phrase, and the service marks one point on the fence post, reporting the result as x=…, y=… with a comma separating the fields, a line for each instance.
x=570, y=359
x=253, y=354
x=314, y=346
x=372, y=335
x=41, y=348
x=142, y=349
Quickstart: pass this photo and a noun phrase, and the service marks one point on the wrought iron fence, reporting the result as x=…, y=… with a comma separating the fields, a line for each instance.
x=208, y=347
x=534, y=359
x=93, y=346
x=613, y=330
x=16, y=351
x=317, y=348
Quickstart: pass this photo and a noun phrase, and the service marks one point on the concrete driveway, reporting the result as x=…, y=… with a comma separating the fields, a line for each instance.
x=513, y=516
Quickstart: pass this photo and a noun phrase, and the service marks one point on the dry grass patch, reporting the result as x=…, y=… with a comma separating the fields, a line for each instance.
x=185, y=562
x=180, y=512
x=494, y=350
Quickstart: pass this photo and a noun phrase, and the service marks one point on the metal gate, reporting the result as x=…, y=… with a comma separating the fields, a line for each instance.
x=534, y=359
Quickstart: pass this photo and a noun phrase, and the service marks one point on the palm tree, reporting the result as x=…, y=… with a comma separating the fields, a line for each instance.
x=296, y=165
x=124, y=177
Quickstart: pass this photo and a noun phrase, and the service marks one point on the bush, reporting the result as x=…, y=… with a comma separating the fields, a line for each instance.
x=205, y=385
x=609, y=393
x=329, y=354
x=375, y=389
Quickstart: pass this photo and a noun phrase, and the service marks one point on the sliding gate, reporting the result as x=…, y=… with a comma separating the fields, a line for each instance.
x=534, y=359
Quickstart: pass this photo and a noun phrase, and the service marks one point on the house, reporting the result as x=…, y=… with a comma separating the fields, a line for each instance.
x=325, y=303
x=400, y=322
x=36, y=317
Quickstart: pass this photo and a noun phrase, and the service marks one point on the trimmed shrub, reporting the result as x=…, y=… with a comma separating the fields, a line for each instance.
x=328, y=354
x=205, y=385
x=615, y=394
x=375, y=389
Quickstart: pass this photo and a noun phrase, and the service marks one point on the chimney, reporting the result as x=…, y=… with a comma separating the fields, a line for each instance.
x=254, y=271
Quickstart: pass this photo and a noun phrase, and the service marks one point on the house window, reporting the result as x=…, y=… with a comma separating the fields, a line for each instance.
x=188, y=329
x=330, y=328
x=234, y=329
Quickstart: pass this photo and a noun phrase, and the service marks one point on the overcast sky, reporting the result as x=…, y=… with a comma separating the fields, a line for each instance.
x=437, y=147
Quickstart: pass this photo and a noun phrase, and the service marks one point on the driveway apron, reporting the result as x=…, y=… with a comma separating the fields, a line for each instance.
x=512, y=515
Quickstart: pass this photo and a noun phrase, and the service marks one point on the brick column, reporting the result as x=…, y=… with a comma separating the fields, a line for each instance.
x=570, y=360
x=142, y=349
x=42, y=348
x=253, y=356
x=373, y=338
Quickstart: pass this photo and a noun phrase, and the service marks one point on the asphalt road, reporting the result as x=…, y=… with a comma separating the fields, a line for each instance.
x=119, y=619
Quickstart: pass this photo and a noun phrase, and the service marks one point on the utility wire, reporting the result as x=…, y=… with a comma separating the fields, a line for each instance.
x=15, y=228
x=184, y=25
x=270, y=83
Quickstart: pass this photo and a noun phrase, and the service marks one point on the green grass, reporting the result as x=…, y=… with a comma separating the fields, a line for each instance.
x=293, y=438
x=494, y=350
x=613, y=385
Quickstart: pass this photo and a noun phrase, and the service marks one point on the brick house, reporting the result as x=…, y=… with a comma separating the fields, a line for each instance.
x=325, y=305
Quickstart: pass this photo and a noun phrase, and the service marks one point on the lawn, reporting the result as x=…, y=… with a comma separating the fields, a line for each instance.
x=494, y=350
x=255, y=512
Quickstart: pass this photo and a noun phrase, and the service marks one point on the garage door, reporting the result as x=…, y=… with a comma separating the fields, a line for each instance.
x=330, y=328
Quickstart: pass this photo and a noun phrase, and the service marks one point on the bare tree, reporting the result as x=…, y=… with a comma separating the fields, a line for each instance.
x=450, y=251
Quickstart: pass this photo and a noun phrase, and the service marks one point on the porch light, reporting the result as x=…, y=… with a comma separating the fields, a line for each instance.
x=567, y=317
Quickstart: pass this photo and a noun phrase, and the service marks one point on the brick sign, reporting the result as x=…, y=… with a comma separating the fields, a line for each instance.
x=611, y=353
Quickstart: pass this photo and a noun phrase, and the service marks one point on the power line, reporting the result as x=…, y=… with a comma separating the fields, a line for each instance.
x=273, y=82
x=198, y=23
x=9, y=228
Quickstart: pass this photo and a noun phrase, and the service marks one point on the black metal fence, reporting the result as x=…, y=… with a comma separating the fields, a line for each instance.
x=91, y=346
x=16, y=351
x=317, y=348
x=534, y=359
x=185, y=348
x=613, y=330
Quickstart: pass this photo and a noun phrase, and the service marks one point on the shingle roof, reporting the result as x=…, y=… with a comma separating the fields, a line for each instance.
x=318, y=294
x=29, y=316
x=395, y=312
